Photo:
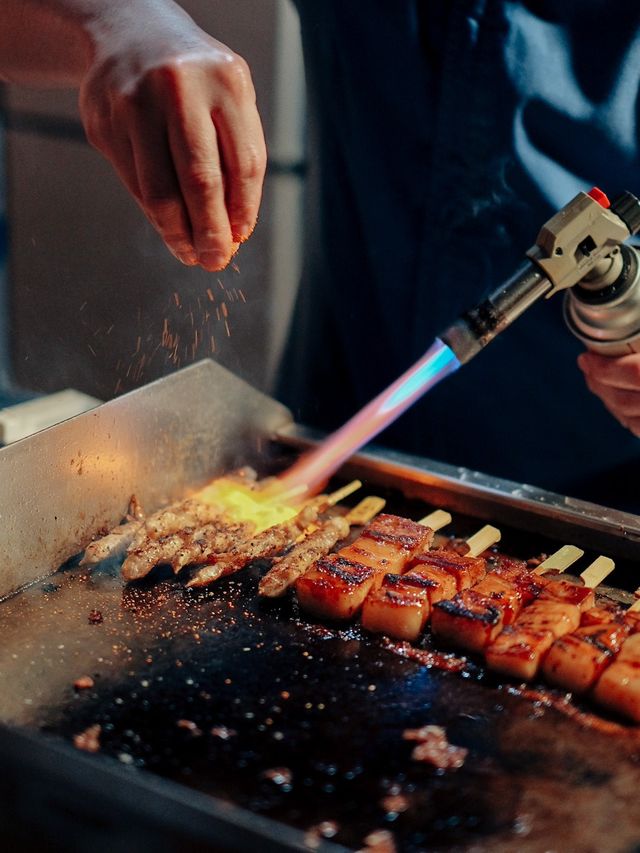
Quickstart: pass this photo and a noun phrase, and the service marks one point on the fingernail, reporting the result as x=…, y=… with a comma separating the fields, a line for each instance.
x=214, y=260
x=244, y=232
x=187, y=258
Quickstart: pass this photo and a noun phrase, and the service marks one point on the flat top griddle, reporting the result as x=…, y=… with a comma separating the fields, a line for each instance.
x=252, y=703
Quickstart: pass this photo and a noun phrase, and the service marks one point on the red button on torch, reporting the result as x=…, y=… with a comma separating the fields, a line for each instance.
x=597, y=195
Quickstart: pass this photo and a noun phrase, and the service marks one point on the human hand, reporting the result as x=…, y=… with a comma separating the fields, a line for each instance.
x=174, y=112
x=616, y=381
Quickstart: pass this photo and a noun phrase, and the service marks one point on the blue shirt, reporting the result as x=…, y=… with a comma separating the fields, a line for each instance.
x=442, y=135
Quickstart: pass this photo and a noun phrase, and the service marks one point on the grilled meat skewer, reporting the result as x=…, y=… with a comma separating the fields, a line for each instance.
x=402, y=605
x=264, y=545
x=520, y=649
x=336, y=586
x=116, y=542
x=286, y=570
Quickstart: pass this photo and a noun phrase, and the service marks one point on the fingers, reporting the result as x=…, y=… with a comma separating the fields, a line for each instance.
x=159, y=191
x=619, y=372
x=186, y=140
x=194, y=147
x=244, y=156
x=616, y=381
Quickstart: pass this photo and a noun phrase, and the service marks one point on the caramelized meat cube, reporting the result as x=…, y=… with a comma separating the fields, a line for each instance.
x=400, y=608
x=550, y=615
x=334, y=587
x=388, y=542
x=576, y=661
x=466, y=571
x=502, y=594
x=441, y=584
x=569, y=592
x=467, y=620
x=619, y=685
x=517, y=651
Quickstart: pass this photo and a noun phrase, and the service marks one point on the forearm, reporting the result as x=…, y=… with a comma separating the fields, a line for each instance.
x=53, y=42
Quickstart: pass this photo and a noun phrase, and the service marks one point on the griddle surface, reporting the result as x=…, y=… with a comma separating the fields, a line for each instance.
x=304, y=723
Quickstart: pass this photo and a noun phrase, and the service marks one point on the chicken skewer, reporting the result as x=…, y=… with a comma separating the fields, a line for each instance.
x=336, y=586
x=116, y=542
x=402, y=605
x=286, y=570
x=270, y=542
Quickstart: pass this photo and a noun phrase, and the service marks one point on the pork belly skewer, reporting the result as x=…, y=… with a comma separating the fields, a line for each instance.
x=520, y=649
x=286, y=570
x=618, y=688
x=473, y=618
x=270, y=542
x=401, y=607
x=336, y=586
x=116, y=542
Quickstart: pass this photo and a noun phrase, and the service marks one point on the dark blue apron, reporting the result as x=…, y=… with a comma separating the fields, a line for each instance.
x=441, y=136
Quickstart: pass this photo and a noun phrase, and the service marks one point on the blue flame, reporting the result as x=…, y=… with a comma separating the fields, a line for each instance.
x=437, y=363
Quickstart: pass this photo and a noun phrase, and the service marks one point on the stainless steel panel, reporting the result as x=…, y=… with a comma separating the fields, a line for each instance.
x=489, y=498
x=59, y=487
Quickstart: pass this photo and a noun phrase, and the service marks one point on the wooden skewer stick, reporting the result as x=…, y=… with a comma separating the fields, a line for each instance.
x=560, y=560
x=595, y=573
x=437, y=519
x=634, y=607
x=365, y=511
x=344, y=492
x=483, y=539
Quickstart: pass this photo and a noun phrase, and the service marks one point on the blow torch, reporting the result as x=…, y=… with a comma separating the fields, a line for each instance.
x=580, y=250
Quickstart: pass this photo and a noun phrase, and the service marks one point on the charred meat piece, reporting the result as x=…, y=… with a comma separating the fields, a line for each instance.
x=469, y=620
x=264, y=545
x=465, y=570
x=441, y=585
x=335, y=587
x=399, y=608
x=388, y=542
x=576, y=661
x=519, y=650
x=286, y=570
x=569, y=592
x=618, y=688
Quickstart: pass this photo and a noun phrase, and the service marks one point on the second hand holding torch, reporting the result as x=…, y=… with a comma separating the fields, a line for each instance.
x=581, y=250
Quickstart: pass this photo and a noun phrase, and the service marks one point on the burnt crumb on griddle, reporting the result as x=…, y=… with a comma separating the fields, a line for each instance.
x=84, y=682
x=223, y=732
x=324, y=829
x=95, y=617
x=534, y=562
x=434, y=748
x=49, y=587
x=280, y=776
x=379, y=841
x=89, y=739
x=189, y=726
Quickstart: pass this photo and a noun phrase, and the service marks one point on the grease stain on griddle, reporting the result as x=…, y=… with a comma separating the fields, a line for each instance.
x=303, y=722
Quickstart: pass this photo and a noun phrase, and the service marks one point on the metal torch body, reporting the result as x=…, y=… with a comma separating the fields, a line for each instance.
x=579, y=250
